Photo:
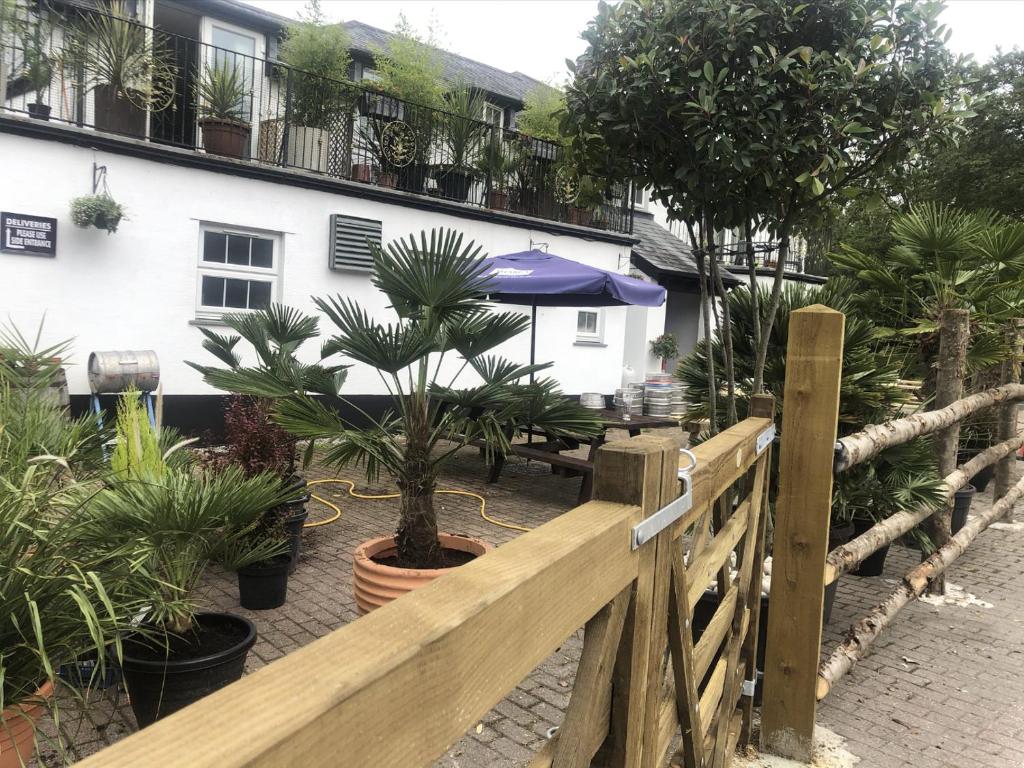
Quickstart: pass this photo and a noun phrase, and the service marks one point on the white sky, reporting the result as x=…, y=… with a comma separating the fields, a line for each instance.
x=536, y=36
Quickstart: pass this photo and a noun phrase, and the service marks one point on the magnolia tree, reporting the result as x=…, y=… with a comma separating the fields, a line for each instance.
x=751, y=113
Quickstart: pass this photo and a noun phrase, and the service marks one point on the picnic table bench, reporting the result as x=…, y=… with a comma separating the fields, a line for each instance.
x=550, y=451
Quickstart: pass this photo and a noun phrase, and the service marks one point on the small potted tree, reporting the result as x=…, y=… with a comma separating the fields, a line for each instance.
x=221, y=93
x=255, y=443
x=176, y=519
x=438, y=288
x=37, y=69
x=319, y=96
x=496, y=166
x=462, y=138
x=666, y=348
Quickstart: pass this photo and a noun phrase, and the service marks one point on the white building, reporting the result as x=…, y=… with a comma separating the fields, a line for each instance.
x=205, y=234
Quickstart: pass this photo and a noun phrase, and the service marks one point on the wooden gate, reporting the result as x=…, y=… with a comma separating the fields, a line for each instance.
x=399, y=686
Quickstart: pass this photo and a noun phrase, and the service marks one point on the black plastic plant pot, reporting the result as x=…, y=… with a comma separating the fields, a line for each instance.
x=961, y=507
x=264, y=585
x=39, y=111
x=873, y=564
x=294, y=518
x=981, y=480
x=163, y=675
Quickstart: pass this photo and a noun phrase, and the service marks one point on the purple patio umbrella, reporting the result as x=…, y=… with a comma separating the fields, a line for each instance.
x=534, y=278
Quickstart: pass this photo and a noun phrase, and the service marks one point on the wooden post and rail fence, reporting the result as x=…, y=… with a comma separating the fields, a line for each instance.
x=795, y=676
x=399, y=686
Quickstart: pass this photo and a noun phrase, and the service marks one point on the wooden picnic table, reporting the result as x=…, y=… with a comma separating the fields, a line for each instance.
x=551, y=449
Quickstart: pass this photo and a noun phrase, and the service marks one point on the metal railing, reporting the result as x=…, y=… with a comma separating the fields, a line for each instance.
x=116, y=75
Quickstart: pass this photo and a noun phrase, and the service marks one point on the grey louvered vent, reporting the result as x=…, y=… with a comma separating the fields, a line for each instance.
x=350, y=238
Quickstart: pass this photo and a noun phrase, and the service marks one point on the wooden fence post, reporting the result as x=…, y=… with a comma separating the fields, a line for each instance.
x=810, y=412
x=641, y=471
x=1008, y=412
x=954, y=332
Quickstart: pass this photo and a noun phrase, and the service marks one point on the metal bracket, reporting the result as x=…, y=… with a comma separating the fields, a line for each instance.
x=749, y=686
x=765, y=439
x=650, y=527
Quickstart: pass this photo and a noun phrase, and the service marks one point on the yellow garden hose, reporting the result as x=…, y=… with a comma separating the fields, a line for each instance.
x=352, y=492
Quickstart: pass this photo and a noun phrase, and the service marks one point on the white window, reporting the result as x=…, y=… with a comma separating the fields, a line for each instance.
x=238, y=270
x=589, y=326
x=494, y=115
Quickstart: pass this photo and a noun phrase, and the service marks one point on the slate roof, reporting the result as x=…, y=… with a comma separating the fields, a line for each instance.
x=664, y=254
x=512, y=85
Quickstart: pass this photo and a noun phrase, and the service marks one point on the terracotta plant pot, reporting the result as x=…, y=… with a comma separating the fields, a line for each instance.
x=389, y=180
x=362, y=172
x=376, y=584
x=497, y=201
x=229, y=138
x=580, y=216
x=18, y=729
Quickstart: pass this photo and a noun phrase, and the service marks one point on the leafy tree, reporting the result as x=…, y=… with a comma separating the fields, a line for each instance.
x=411, y=67
x=542, y=113
x=756, y=112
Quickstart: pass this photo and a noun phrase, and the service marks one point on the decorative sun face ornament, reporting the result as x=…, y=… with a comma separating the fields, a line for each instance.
x=567, y=185
x=398, y=142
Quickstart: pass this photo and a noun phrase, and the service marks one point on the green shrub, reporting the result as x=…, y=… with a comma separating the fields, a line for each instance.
x=100, y=211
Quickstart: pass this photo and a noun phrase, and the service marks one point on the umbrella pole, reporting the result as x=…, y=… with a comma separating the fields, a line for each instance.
x=533, y=357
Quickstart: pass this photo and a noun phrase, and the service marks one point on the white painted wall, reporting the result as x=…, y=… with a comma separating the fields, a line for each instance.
x=136, y=289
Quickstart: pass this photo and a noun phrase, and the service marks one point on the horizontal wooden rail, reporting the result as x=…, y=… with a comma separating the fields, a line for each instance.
x=400, y=685
x=849, y=555
x=863, y=634
x=875, y=438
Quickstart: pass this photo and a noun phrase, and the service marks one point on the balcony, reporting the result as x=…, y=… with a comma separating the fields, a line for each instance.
x=114, y=75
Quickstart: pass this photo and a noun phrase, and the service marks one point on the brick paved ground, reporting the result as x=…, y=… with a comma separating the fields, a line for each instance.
x=958, y=705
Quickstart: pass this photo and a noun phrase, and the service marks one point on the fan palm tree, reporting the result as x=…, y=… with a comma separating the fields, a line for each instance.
x=437, y=287
x=942, y=258
x=869, y=392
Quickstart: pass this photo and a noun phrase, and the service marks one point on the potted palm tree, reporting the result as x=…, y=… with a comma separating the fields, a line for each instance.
x=496, y=166
x=123, y=66
x=37, y=69
x=463, y=133
x=254, y=441
x=437, y=286
x=60, y=602
x=221, y=93
x=176, y=519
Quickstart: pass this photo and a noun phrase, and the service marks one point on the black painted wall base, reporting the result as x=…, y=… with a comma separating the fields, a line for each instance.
x=202, y=416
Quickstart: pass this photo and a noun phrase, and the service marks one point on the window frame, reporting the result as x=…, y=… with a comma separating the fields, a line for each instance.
x=488, y=105
x=271, y=275
x=586, y=337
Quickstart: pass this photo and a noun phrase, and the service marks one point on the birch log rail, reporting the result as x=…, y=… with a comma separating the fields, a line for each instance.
x=872, y=440
x=848, y=556
x=864, y=633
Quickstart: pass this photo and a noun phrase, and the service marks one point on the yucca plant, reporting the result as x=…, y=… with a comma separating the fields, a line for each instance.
x=60, y=601
x=221, y=92
x=177, y=519
x=464, y=128
x=437, y=287
x=869, y=393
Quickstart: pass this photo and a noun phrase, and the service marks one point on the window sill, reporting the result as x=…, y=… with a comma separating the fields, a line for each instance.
x=208, y=321
x=582, y=343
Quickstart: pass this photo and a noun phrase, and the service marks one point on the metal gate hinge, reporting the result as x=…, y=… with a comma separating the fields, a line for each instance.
x=651, y=526
x=765, y=439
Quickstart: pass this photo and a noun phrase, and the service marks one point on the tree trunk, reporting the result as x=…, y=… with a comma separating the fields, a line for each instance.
x=849, y=555
x=875, y=438
x=773, y=307
x=1008, y=412
x=702, y=272
x=416, y=537
x=755, y=296
x=954, y=331
x=725, y=331
x=864, y=633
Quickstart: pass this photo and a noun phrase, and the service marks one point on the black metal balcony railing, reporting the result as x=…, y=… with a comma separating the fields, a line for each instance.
x=115, y=75
x=765, y=255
